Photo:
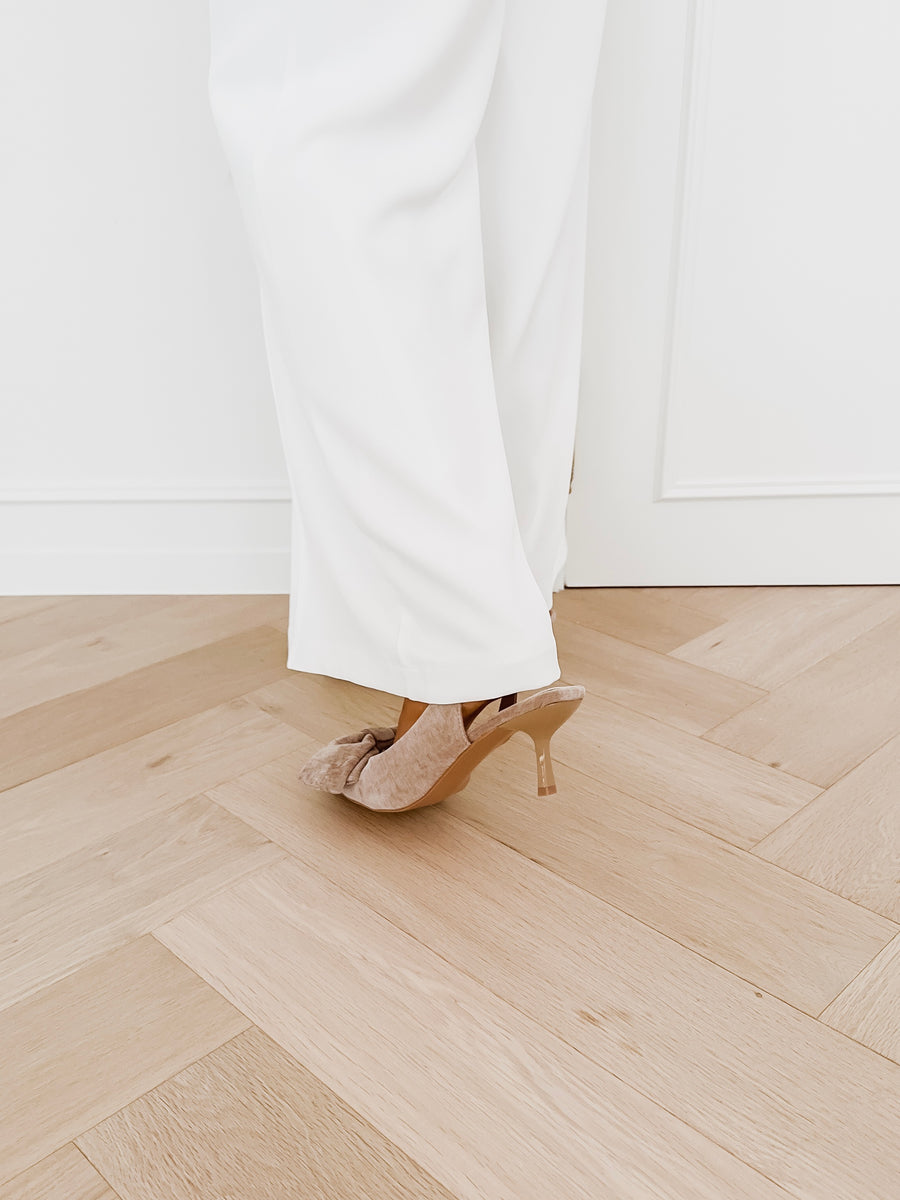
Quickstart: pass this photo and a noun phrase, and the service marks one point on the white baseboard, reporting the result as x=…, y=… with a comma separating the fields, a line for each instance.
x=110, y=547
x=145, y=573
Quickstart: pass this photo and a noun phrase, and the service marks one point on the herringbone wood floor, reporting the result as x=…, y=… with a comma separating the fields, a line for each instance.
x=677, y=978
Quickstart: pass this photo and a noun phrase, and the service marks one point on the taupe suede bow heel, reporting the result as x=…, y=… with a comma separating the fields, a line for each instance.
x=436, y=755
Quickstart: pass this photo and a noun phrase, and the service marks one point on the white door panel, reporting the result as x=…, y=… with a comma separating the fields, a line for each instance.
x=740, y=410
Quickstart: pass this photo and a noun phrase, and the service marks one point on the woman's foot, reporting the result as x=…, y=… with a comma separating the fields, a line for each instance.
x=437, y=756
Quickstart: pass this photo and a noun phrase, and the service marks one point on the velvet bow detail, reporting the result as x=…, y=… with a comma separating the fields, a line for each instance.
x=341, y=761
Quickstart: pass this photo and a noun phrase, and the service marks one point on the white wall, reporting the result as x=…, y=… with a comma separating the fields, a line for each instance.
x=139, y=448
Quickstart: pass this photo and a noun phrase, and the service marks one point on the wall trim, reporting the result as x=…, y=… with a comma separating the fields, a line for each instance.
x=694, y=105
x=723, y=489
x=146, y=572
x=119, y=492
x=697, y=57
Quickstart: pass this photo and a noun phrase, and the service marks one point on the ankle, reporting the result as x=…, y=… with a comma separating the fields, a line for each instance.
x=410, y=711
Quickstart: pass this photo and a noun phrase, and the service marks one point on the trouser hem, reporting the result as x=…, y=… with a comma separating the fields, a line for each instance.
x=435, y=683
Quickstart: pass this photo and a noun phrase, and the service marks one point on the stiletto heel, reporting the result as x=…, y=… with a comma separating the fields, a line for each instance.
x=546, y=784
x=436, y=756
x=541, y=724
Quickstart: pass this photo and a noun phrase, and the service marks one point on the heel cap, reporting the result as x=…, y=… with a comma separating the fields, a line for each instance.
x=547, y=791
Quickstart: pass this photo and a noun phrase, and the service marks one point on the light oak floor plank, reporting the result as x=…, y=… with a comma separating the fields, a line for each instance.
x=682, y=774
x=14, y=608
x=62, y=731
x=783, y=631
x=771, y=928
x=868, y=1009
x=51, y=817
x=623, y=995
x=31, y=623
x=825, y=720
x=657, y=685
x=482, y=1097
x=110, y=892
x=323, y=707
x=81, y=1049
x=248, y=1121
x=64, y=1175
x=636, y=615
x=718, y=602
x=65, y=664
x=674, y=920
x=848, y=838
x=768, y=927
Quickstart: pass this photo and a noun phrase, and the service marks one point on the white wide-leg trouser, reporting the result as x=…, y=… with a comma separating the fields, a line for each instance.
x=413, y=177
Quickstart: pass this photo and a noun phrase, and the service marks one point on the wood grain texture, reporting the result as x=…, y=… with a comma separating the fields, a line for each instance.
x=33, y=622
x=88, y=660
x=481, y=1096
x=322, y=707
x=825, y=720
x=713, y=788
x=51, y=817
x=82, y=1048
x=776, y=931
x=765, y=925
x=782, y=631
x=703, y=1044
x=250, y=1122
x=685, y=696
x=13, y=608
x=51, y=735
x=676, y=977
x=110, y=892
x=65, y=1175
x=848, y=838
x=52, y=619
x=721, y=603
x=636, y=615
x=868, y=1009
